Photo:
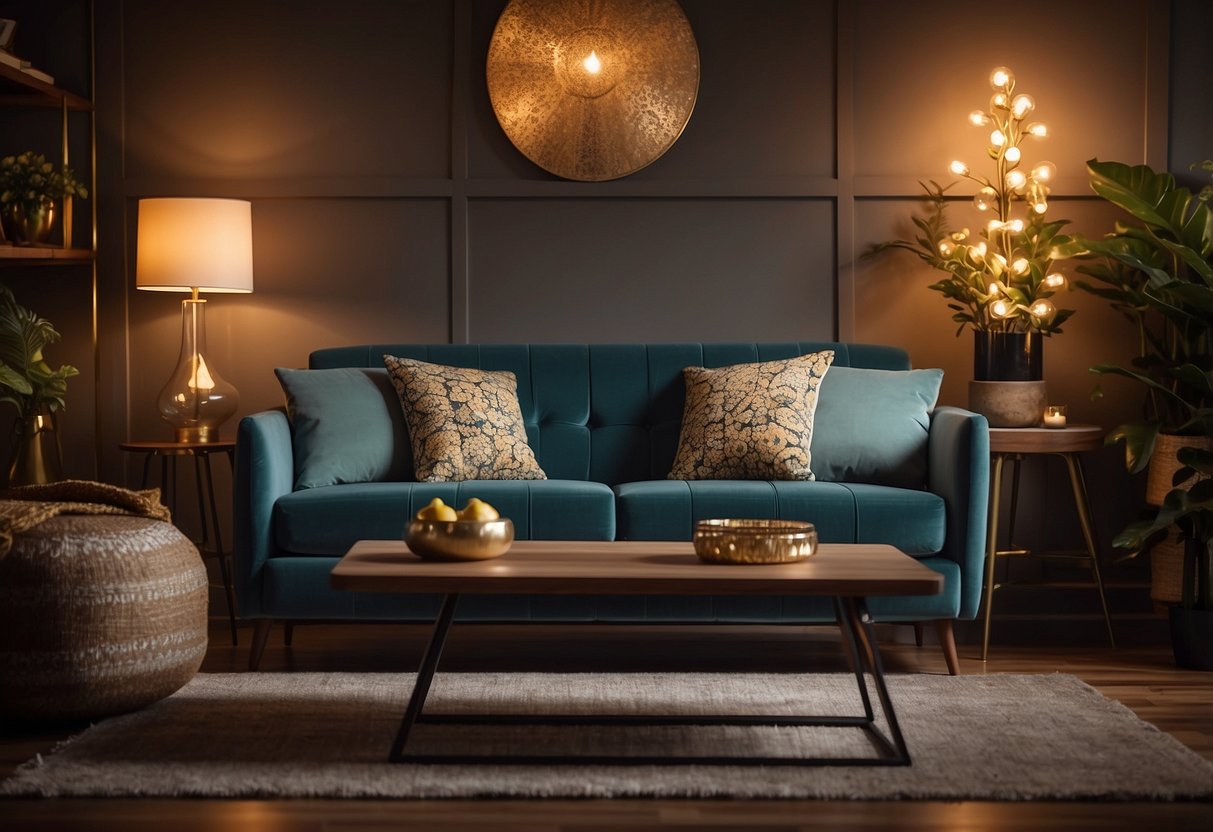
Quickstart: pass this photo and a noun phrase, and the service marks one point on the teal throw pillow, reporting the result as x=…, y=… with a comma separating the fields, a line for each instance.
x=872, y=425
x=346, y=426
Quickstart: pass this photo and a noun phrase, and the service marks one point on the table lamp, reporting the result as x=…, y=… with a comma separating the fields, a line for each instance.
x=195, y=245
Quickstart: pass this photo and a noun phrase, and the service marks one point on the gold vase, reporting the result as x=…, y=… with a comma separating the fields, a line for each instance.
x=37, y=457
x=25, y=225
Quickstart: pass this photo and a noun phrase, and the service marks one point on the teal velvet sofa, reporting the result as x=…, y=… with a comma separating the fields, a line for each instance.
x=604, y=420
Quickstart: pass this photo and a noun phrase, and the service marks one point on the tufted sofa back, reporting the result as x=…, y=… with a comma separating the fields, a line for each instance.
x=610, y=413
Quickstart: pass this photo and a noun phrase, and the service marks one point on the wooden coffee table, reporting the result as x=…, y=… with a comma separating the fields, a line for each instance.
x=848, y=573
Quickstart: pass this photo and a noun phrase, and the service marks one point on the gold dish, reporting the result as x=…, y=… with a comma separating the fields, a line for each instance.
x=459, y=539
x=754, y=541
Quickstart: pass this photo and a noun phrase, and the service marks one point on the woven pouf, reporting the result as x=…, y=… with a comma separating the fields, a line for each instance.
x=99, y=615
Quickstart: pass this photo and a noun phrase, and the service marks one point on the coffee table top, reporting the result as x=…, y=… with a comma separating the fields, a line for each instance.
x=634, y=567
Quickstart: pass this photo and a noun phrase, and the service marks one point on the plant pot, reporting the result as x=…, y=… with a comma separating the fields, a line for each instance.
x=1008, y=356
x=1192, y=637
x=36, y=454
x=24, y=226
x=1163, y=465
x=1009, y=404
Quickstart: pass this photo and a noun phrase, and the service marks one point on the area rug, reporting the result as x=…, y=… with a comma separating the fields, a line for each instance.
x=996, y=737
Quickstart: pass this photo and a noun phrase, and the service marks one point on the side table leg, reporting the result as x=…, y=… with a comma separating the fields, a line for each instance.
x=425, y=675
x=992, y=548
x=1083, y=506
x=205, y=461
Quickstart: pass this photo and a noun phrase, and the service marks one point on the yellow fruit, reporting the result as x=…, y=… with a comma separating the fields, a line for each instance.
x=478, y=509
x=437, y=510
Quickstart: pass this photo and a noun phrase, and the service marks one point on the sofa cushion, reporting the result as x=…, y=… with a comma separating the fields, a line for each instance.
x=911, y=520
x=327, y=521
x=872, y=425
x=346, y=426
x=750, y=421
x=464, y=424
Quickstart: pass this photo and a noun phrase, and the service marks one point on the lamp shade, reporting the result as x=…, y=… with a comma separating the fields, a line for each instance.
x=203, y=244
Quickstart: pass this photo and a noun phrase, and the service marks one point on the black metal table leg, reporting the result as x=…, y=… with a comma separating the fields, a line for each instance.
x=853, y=621
x=425, y=675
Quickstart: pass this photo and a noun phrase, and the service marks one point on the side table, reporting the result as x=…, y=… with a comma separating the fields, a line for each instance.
x=204, y=485
x=1014, y=444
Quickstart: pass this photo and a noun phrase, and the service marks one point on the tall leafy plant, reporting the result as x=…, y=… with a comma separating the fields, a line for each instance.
x=1159, y=272
x=27, y=381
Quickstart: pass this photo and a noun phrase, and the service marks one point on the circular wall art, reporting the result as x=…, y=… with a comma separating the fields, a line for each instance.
x=593, y=89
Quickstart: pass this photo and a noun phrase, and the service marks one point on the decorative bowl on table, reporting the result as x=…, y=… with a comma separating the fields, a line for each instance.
x=754, y=541
x=459, y=539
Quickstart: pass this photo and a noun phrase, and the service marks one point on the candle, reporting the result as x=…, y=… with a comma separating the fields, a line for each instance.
x=1055, y=416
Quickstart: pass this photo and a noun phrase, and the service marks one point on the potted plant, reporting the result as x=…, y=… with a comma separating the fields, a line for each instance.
x=999, y=281
x=29, y=187
x=36, y=390
x=1159, y=273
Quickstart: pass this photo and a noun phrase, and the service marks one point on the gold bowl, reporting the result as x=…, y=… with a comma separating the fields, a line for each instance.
x=754, y=541
x=459, y=539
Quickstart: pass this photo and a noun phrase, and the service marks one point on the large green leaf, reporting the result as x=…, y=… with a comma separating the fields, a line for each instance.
x=1139, y=439
x=1137, y=189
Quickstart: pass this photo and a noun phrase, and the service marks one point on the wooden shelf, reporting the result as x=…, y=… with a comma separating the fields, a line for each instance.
x=20, y=89
x=43, y=255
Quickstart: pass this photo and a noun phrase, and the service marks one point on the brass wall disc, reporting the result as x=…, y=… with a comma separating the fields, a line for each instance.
x=593, y=89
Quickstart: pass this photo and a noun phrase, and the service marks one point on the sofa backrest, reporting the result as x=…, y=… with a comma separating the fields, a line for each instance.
x=604, y=412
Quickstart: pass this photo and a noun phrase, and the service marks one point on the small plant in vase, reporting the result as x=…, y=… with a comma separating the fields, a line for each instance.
x=999, y=281
x=29, y=188
x=34, y=388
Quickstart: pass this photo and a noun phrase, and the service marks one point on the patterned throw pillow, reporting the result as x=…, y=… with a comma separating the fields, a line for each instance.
x=750, y=421
x=463, y=424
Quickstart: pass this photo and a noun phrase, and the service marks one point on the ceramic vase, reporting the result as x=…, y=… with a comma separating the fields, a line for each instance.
x=1007, y=386
x=23, y=225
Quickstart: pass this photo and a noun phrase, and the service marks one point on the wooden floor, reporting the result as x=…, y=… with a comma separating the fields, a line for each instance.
x=1142, y=677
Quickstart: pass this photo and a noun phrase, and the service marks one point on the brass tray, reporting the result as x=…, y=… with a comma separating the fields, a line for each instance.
x=453, y=540
x=754, y=541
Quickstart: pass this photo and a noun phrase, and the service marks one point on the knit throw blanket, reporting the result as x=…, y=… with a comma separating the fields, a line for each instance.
x=26, y=506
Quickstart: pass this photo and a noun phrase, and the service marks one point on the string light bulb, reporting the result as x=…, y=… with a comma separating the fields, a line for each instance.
x=1044, y=172
x=1055, y=280
x=1037, y=129
x=978, y=119
x=998, y=138
x=1022, y=104
x=1012, y=154
x=958, y=167
x=1002, y=78
x=1016, y=179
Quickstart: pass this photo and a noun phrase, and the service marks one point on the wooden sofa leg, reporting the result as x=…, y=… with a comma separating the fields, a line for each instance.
x=261, y=634
x=918, y=631
x=288, y=634
x=943, y=629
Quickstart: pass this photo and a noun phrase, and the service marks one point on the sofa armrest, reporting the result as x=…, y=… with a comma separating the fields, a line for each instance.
x=265, y=470
x=959, y=471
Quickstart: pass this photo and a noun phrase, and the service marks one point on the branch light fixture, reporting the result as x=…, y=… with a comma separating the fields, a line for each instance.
x=195, y=245
x=592, y=91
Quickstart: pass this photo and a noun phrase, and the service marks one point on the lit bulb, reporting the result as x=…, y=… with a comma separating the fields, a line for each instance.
x=591, y=63
x=1012, y=154
x=994, y=225
x=1038, y=129
x=1042, y=309
x=999, y=262
x=1040, y=206
x=1056, y=280
x=961, y=235
x=958, y=167
x=1016, y=179
x=1001, y=309
x=978, y=119
x=983, y=200
x=993, y=289
x=1021, y=105
x=1001, y=78
x=1044, y=172
x=998, y=138
x=980, y=249
x=1020, y=266
x=946, y=247
x=1015, y=226
x=1000, y=101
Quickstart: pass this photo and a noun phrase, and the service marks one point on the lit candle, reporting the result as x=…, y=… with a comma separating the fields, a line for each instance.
x=1055, y=416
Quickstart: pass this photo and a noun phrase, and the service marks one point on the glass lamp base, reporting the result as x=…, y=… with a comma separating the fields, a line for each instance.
x=196, y=436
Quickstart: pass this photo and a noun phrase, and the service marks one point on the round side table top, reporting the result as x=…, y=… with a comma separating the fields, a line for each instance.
x=170, y=448
x=1070, y=439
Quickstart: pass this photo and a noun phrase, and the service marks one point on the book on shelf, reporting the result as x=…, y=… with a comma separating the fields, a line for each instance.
x=12, y=60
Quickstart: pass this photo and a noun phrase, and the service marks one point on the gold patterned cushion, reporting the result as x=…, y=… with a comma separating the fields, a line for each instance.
x=750, y=421
x=463, y=424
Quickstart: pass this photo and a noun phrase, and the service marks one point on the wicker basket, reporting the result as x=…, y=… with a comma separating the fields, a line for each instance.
x=1163, y=465
x=99, y=615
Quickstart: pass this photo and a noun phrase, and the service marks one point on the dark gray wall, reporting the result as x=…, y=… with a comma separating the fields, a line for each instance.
x=388, y=204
